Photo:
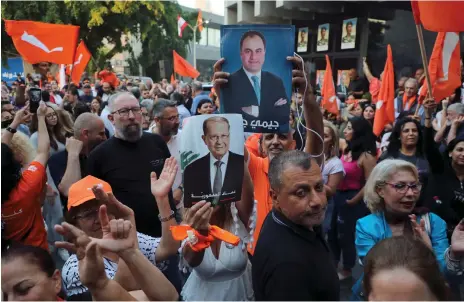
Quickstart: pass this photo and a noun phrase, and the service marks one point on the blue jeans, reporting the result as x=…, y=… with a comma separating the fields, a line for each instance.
x=328, y=216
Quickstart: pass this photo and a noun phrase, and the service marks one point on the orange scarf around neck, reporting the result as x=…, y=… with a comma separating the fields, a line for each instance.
x=409, y=101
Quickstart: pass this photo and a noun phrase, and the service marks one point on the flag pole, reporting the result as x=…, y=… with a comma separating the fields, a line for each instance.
x=420, y=37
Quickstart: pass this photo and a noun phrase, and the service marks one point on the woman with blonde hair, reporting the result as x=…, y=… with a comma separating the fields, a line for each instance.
x=24, y=152
x=391, y=193
x=333, y=171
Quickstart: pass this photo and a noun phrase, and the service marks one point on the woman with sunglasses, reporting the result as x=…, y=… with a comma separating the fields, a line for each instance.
x=391, y=193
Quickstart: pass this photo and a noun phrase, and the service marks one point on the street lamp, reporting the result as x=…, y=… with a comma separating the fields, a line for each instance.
x=194, y=28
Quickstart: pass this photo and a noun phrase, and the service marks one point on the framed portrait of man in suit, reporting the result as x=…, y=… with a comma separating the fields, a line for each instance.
x=323, y=32
x=349, y=33
x=260, y=82
x=212, y=162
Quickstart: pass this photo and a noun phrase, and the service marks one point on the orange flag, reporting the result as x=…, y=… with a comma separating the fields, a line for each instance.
x=81, y=59
x=444, y=66
x=43, y=42
x=200, y=21
x=439, y=16
x=173, y=79
x=385, y=106
x=329, y=97
x=182, y=67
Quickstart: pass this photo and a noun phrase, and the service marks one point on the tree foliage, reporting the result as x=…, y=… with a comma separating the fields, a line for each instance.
x=155, y=22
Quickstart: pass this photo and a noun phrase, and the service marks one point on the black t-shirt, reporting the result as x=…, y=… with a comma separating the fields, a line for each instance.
x=126, y=166
x=358, y=85
x=292, y=263
x=57, y=166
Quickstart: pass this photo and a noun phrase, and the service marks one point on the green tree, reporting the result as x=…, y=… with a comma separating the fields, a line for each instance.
x=154, y=21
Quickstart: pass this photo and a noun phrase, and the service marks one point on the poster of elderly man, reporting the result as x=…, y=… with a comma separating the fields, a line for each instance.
x=260, y=81
x=212, y=162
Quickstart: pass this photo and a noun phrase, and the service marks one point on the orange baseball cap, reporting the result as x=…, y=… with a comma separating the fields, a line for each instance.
x=81, y=191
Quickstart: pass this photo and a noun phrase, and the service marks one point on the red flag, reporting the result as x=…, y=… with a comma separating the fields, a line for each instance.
x=81, y=59
x=444, y=67
x=182, y=67
x=329, y=97
x=439, y=16
x=385, y=106
x=43, y=42
x=181, y=24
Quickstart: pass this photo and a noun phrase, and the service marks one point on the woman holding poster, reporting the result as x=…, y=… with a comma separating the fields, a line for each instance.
x=216, y=196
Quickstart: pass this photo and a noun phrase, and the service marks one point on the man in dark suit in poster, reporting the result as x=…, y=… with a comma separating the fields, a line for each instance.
x=253, y=92
x=217, y=176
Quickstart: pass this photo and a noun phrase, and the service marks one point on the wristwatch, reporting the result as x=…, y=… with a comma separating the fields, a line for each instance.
x=9, y=129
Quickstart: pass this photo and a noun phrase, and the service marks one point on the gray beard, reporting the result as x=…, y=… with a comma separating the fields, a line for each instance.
x=130, y=134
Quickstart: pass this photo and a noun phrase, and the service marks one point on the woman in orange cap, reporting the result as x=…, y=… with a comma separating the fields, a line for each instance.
x=84, y=201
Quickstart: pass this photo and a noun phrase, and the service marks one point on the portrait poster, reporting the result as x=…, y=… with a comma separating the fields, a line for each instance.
x=212, y=161
x=343, y=76
x=349, y=33
x=319, y=79
x=259, y=86
x=302, y=40
x=323, y=37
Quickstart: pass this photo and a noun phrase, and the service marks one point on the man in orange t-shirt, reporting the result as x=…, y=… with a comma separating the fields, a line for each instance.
x=21, y=213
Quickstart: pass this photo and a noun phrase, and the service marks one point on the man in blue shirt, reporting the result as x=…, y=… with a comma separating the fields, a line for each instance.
x=198, y=95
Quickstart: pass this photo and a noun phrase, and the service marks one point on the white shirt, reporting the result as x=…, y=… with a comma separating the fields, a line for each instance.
x=249, y=75
x=212, y=167
x=108, y=125
x=174, y=149
x=58, y=99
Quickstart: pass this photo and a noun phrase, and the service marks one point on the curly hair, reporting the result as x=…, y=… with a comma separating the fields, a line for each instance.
x=381, y=174
x=21, y=145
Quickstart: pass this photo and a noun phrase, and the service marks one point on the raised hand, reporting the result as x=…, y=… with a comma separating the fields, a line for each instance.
x=117, y=233
x=298, y=77
x=22, y=115
x=74, y=146
x=198, y=216
x=91, y=268
x=457, y=240
x=42, y=110
x=161, y=186
x=219, y=77
x=419, y=230
x=115, y=206
x=430, y=106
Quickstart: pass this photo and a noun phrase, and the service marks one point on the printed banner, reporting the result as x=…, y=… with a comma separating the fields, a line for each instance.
x=10, y=73
x=260, y=80
x=302, y=40
x=212, y=162
x=349, y=33
x=323, y=37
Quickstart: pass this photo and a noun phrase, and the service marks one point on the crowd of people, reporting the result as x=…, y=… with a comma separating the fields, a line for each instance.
x=92, y=196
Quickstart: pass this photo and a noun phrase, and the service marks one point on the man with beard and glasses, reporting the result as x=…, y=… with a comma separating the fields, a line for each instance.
x=70, y=165
x=292, y=260
x=166, y=118
x=126, y=161
x=275, y=143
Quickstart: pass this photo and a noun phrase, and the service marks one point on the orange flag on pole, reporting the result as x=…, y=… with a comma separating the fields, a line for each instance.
x=385, y=106
x=439, y=16
x=81, y=59
x=182, y=67
x=444, y=66
x=329, y=97
x=200, y=21
x=173, y=79
x=43, y=42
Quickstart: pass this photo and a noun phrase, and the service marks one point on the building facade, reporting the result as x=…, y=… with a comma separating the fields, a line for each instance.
x=376, y=24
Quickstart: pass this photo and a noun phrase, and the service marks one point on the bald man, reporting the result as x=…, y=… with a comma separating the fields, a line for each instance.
x=70, y=165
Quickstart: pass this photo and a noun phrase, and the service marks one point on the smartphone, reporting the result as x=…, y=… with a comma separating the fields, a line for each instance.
x=35, y=96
